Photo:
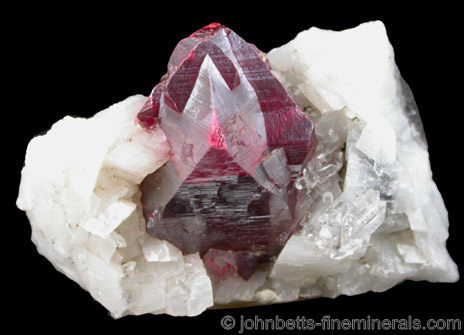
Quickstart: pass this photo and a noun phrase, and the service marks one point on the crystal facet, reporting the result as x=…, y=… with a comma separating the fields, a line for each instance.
x=237, y=142
x=368, y=212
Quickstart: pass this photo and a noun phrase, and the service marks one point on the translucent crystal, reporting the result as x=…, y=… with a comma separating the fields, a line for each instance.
x=367, y=212
x=237, y=142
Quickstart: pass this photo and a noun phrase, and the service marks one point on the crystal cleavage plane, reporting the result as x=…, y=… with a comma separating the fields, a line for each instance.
x=237, y=143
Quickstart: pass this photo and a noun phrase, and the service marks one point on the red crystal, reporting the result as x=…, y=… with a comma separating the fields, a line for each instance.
x=237, y=142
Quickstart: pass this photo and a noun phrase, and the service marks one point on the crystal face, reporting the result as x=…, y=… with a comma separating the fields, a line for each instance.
x=237, y=143
x=369, y=214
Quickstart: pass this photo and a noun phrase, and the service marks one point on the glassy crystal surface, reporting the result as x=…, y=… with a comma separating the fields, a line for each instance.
x=237, y=143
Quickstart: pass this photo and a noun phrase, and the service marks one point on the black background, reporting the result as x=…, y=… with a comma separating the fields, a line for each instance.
x=71, y=60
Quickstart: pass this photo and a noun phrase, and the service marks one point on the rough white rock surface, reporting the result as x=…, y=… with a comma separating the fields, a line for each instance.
x=80, y=191
x=370, y=212
x=387, y=222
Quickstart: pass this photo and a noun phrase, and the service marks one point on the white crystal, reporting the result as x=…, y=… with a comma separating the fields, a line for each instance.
x=155, y=250
x=389, y=223
x=370, y=214
x=236, y=289
x=378, y=142
x=80, y=191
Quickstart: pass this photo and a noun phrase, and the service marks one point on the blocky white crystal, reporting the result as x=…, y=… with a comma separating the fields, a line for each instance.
x=389, y=223
x=370, y=214
x=79, y=188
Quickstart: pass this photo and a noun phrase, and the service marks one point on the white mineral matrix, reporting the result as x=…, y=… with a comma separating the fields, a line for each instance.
x=370, y=214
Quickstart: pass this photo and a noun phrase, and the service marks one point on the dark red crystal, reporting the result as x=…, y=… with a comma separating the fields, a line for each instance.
x=237, y=141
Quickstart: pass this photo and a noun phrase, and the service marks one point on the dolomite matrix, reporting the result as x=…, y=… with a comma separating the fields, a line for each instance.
x=244, y=178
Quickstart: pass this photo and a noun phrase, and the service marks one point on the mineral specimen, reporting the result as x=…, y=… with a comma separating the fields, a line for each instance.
x=234, y=208
x=237, y=143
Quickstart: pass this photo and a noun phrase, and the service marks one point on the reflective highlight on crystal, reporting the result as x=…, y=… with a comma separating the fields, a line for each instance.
x=238, y=142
